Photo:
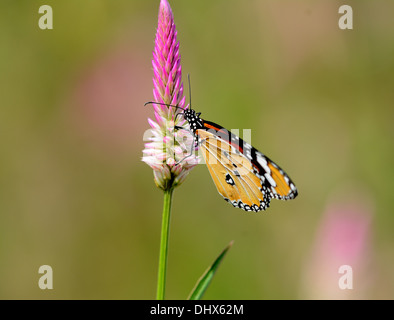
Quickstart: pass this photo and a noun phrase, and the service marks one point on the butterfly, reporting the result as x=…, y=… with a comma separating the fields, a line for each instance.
x=244, y=176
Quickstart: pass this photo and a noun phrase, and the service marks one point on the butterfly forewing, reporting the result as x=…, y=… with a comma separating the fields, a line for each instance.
x=277, y=181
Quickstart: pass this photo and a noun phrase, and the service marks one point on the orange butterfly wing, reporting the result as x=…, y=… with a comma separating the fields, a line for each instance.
x=233, y=174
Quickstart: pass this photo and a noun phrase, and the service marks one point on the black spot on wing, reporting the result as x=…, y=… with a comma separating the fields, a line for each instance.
x=230, y=180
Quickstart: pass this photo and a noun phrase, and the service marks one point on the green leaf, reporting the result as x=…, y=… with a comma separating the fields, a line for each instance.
x=203, y=283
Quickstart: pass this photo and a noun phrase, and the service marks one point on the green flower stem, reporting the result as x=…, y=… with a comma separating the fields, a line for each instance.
x=165, y=230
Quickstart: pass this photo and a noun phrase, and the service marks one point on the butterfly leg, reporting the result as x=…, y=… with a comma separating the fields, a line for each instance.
x=194, y=145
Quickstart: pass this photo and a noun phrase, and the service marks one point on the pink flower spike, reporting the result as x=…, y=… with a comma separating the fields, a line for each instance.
x=153, y=124
x=163, y=151
x=166, y=139
x=159, y=120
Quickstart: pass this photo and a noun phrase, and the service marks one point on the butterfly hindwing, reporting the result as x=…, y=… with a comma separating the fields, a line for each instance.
x=233, y=174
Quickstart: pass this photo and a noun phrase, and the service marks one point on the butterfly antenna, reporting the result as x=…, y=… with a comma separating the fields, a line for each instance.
x=190, y=91
x=163, y=104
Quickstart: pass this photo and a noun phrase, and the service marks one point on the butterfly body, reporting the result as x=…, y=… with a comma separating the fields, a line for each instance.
x=244, y=176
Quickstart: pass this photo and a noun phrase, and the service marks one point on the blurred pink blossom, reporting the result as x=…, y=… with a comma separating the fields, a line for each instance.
x=104, y=107
x=343, y=239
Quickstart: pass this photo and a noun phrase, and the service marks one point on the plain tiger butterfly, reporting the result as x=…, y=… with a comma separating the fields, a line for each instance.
x=244, y=176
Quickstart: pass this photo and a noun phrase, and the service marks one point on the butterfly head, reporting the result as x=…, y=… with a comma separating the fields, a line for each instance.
x=193, y=118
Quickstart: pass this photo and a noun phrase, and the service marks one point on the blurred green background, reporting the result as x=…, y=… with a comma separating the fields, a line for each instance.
x=75, y=195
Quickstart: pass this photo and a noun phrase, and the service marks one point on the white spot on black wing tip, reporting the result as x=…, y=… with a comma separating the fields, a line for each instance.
x=270, y=179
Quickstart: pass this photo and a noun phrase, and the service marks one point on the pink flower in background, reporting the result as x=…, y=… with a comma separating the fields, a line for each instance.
x=343, y=239
x=166, y=146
